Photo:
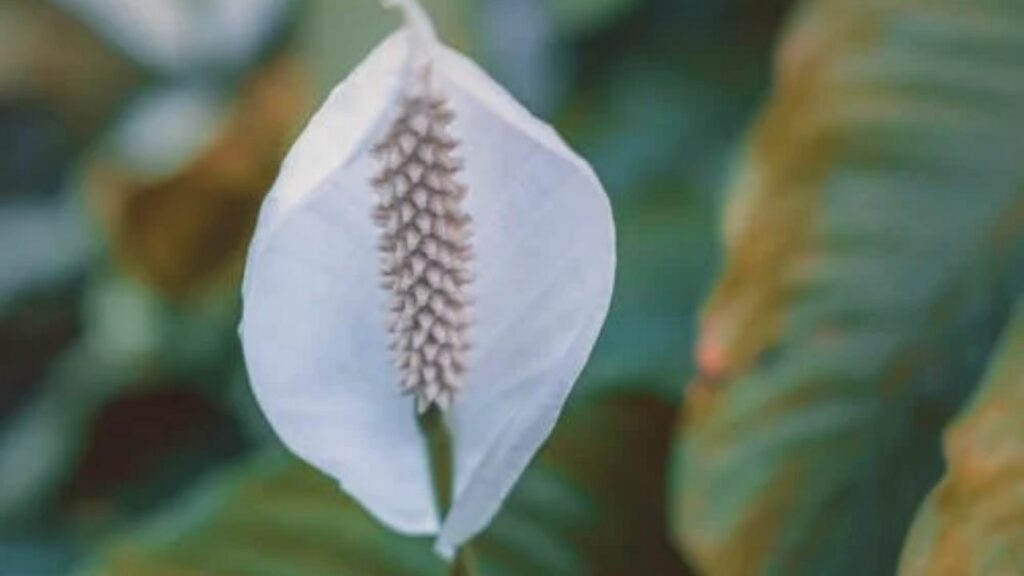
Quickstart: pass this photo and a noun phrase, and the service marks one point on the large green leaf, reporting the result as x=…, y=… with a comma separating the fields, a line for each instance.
x=661, y=274
x=973, y=523
x=593, y=505
x=874, y=243
x=269, y=516
x=581, y=16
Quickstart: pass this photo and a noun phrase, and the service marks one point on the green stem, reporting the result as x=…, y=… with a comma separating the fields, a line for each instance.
x=464, y=565
x=440, y=449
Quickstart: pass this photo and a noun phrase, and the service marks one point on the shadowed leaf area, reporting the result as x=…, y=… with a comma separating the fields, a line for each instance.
x=874, y=248
x=592, y=505
x=973, y=523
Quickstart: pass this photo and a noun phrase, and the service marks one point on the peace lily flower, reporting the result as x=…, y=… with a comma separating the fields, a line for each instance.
x=427, y=243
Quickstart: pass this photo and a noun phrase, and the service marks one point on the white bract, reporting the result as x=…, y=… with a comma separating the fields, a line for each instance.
x=428, y=242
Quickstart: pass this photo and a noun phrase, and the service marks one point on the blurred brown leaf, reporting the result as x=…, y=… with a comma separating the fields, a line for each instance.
x=46, y=54
x=771, y=211
x=187, y=231
x=973, y=523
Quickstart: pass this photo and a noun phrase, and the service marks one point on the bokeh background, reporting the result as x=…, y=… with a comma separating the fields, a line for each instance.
x=820, y=210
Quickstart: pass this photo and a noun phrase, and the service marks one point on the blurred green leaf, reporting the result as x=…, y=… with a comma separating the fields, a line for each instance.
x=34, y=329
x=183, y=233
x=659, y=126
x=522, y=52
x=41, y=444
x=596, y=495
x=579, y=16
x=665, y=256
x=129, y=339
x=33, y=556
x=875, y=238
x=41, y=243
x=335, y=35
x=973, y=523
x=593, y=504
x=271, y=515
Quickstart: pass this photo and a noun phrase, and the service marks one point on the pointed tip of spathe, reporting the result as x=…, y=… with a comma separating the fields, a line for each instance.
x=417, y=20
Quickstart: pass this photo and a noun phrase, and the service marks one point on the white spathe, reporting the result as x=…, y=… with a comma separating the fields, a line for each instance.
x=314, y=323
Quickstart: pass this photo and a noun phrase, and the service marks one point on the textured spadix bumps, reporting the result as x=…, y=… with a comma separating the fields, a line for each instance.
x=425, y=232
x=425, y=248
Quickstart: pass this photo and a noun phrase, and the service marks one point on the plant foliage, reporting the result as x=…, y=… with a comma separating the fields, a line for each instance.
x=874, y=235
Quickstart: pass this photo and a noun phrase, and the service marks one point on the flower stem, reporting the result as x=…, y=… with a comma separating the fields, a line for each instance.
x=440, y=450
x=465, y=564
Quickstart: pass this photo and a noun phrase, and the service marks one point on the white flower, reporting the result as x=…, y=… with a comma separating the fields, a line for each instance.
x=428, y=241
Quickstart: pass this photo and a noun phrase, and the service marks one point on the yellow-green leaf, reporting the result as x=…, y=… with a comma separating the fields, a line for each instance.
x=875, y=239
x=973, y=522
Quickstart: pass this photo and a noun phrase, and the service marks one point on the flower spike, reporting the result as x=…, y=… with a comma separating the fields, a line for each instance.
x=416, y=178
